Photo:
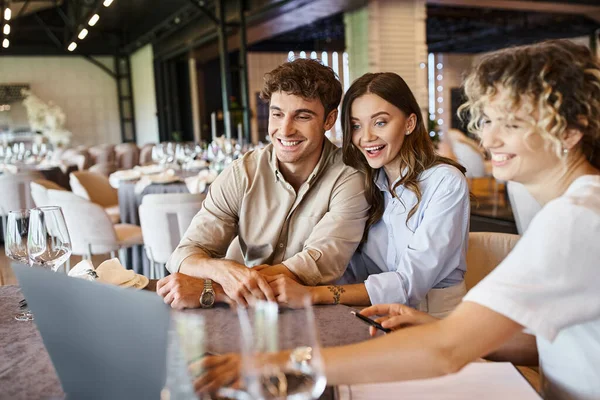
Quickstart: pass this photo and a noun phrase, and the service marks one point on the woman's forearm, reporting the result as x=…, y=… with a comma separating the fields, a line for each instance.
x=351, y=295
x=402, y=355
x=521, y=349
x=424, y=351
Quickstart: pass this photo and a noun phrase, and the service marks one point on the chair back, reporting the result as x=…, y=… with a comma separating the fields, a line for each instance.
x=15, y=191
x=128, y=155
x=39, y=189
x=90, y=228
x=104, y=168
x=524, y=205
x=486, y=251
x=469, y=158
x=146, y=154
x=104, y=153
x=94, y=187
x=163, y=225
x=81, y=158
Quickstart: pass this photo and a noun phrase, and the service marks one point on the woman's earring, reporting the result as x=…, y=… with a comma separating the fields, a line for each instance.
x=407, y=133
x=565, y=151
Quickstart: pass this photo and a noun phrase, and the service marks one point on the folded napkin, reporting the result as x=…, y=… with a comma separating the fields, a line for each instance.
x=149, y=169
x=197, y=184
x=84, y=270
x=167, y=176
x=196, y=165
x=125, y=175
x=111, y=272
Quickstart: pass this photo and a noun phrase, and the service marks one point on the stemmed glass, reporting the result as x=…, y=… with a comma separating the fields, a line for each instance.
x=15, y=245
x=300, y=378
x=48, y=244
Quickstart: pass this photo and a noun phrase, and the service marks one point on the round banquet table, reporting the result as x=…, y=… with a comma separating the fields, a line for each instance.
x=129, y=204
x=26, y=371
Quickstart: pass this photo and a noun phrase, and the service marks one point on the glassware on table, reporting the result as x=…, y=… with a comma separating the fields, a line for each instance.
x=15, y=246
x=263, y=328
x=48, y=244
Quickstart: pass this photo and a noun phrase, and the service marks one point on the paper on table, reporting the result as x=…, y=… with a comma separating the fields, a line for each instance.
x=490, y=381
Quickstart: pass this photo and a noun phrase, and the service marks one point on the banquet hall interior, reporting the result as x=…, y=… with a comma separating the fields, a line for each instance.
x=123, y=112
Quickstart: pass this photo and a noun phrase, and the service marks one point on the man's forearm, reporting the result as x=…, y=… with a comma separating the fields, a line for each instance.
x=203, y=266
x=279, y=269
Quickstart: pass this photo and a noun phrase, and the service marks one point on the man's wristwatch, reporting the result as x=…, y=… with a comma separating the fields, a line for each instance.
x=207, y=298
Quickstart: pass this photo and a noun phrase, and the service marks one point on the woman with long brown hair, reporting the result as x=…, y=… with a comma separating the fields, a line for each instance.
x=414, y=247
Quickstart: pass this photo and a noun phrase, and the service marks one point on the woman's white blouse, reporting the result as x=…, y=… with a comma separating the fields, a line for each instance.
x=401, y=262
x=549, y=285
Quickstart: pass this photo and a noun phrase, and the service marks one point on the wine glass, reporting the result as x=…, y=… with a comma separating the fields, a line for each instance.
x=48, y=243
x=264, y=373
x=15, y=245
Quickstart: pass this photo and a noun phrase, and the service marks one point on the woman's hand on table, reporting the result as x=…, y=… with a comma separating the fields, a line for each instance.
x=396, y=316
x=288, y=292
x=183, y=291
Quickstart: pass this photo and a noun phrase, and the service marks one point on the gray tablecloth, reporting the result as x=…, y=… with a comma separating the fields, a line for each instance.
x=26, y=371
x=129, y=203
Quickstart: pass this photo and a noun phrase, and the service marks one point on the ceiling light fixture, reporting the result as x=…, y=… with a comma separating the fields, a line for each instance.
x=6, y=29
x=107, y=3
x=7, y=14
x=5, y=43
x=93, y=20
x=82, y=34
x=72, y=46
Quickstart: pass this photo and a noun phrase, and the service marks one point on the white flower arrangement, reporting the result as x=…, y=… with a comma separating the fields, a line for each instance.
x=49, y=119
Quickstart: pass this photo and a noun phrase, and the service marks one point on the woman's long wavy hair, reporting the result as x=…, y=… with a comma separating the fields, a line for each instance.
x=417, y=153
x=558, y=79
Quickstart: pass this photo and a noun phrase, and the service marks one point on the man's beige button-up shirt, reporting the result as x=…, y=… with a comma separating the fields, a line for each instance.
x=313, y=232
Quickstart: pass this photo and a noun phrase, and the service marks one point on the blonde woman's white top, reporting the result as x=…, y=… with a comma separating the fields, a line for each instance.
x=549, y=284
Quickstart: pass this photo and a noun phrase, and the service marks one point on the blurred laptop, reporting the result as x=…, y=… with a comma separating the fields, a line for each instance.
x=105, y=342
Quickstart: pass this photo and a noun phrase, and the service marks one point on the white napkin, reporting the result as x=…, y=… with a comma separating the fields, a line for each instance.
x=123, y=175
x=110, y=271
x=164, y=177
x=83, y=269
x=9, y=169
x=196, y=165
x=197, y=184
x=149, y=169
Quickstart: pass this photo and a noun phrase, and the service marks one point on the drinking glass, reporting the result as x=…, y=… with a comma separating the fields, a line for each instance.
x=265, y=331
x=15, y=245
x=48, y=243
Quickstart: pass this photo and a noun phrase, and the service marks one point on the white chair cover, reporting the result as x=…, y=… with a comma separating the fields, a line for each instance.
x=164, y=221
x=524, y=205
x=15, y=191
x=39, y=191
x=469, y=158
x=91, y=230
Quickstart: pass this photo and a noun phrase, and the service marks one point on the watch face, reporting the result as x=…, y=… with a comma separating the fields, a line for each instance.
x=207, y=299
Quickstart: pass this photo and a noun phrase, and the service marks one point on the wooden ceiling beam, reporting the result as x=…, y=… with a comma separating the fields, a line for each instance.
x=524, y=5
